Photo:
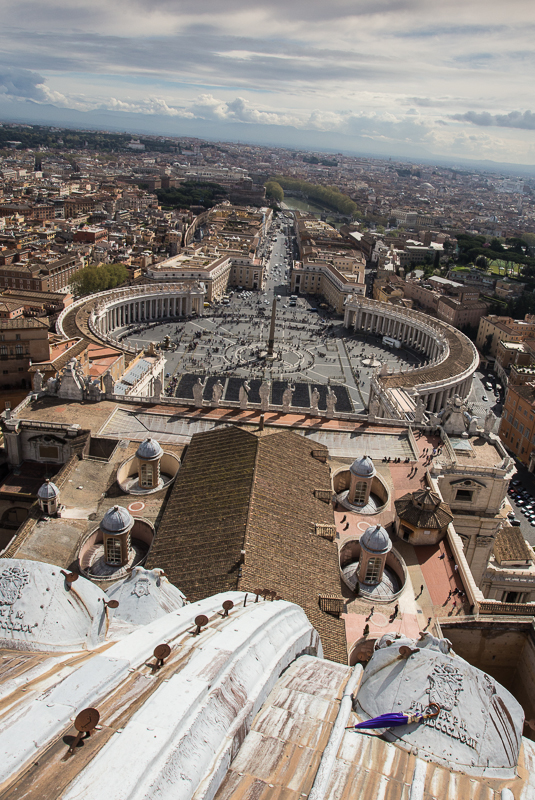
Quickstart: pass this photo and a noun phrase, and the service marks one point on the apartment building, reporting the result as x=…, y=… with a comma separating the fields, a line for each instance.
x=324, y=279
x=77, y=206
x=494, y=329
x=40, y=276
x=517, y=426
x=203, y=266
x=460, y=312
x=22, y=341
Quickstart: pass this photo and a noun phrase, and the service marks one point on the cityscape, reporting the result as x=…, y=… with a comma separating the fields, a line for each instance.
x=267, y=503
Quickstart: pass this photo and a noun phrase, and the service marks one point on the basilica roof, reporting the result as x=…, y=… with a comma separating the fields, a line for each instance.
x=145, y=595
x=242, y=515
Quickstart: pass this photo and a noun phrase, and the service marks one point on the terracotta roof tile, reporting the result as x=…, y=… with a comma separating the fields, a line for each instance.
x=240, y=491
x=510, y=546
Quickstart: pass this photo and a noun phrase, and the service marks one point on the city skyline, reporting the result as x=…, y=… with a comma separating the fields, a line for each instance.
x=406, y=79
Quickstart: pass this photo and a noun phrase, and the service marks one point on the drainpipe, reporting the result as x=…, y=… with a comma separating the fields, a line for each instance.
x=323, y=775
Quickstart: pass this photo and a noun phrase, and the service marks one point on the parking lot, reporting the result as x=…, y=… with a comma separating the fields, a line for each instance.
x=522, y=501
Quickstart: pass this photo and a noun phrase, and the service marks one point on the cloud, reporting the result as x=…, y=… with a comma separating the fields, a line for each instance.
x=22, y=83
x=154, y=105
x=208, y=107
x=515, y=119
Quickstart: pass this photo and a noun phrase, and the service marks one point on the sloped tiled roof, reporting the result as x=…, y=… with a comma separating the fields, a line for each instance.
x=282, y=550
x=509, y=545
x=237, y=491
x=423, y=509
x=201, y=535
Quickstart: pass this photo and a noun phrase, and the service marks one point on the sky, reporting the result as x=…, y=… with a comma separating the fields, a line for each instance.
x=401, y=77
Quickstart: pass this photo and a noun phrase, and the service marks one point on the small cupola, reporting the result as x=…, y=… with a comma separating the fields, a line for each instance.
x=375, y=545
x=149, y=454
x=115, y=527
x=48, y=497
x=361, y=472
x=422, y=517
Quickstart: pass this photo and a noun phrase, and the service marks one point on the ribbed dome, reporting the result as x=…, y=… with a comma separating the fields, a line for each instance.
x=425, y=498
x=48, y=491
x=116, y=520
x=376, y=539
x=362, y=467
x=149, y=450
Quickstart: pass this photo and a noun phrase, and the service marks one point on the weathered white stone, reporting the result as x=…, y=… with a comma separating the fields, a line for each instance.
x=479, y=727
x=39, y=610
x=196, y=718
x=146, y=595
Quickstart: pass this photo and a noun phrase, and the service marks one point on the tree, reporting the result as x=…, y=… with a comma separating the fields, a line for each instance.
x=190, y=193
x=328, y=196
x=488, y=344
x=481, y=262
x=92, y=279
x=274, y=191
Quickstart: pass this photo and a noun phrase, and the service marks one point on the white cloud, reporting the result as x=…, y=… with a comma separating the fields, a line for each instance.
x=154, y=105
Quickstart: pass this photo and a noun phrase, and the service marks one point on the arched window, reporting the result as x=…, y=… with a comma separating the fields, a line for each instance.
x=360, y=492
x=373, y=568
x=146, y=475
x=113, y=551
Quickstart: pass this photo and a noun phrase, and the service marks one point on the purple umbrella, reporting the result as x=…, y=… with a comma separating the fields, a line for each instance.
x=396, y=719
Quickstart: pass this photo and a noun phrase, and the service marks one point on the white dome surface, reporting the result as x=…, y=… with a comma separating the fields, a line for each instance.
x=42, y=612
x=363, y=467
x=149, y=449
x=479, y=727
x=48, y=491
x=376, y=539
x=144, y=596
x=117, y=520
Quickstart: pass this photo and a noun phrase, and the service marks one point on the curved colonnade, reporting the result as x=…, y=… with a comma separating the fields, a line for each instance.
x=453, y=358
x=116, y=308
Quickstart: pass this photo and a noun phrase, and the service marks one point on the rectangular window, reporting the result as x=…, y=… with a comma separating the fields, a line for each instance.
x=113, y=551
x=464, y=495
x=47, y=452
x=373, y=569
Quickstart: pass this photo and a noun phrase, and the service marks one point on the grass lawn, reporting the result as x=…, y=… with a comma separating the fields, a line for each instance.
x=498, y=268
